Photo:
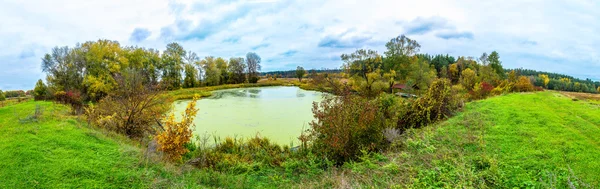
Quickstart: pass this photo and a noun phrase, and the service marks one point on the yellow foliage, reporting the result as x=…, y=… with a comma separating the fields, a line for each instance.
x=177, y=134
x=523, y=84
x=545, y=79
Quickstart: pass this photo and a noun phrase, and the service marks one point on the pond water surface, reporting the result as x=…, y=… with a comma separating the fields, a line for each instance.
x=279, y=113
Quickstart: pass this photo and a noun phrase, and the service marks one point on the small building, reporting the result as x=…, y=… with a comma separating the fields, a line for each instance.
x=404, y=90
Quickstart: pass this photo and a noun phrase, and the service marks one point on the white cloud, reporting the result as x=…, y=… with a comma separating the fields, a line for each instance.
x=557, y=36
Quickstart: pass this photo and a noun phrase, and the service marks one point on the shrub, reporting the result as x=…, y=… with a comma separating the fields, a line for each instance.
x=481, y=91
x=71, y=98
x=523, y=84
x=176, y=135
x=40, y=91
x=344, y=126
x=503, y=87
x=131, y=109
x=2, y=97
x=253, y=79
x=438, y=103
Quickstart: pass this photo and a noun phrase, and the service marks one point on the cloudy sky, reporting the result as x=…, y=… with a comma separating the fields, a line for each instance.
x=554, y=36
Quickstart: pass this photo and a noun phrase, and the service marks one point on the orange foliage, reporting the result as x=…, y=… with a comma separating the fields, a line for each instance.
x=177, y=134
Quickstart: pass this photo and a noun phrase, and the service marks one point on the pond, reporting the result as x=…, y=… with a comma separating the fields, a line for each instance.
x=278, y=113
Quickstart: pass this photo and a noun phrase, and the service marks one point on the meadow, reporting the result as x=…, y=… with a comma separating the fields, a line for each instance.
x=541, y=140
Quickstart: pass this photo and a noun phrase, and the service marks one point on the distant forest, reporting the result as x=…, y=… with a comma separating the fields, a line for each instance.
x=292, y=73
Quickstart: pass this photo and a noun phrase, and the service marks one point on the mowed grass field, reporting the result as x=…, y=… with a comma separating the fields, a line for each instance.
x=540, y=140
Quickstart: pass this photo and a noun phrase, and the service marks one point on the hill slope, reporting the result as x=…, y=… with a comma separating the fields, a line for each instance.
x=518, y=140
x=58, y=151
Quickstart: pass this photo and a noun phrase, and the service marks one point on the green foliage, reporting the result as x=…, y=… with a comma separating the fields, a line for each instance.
x=236, y=70
x=300, y=72
x=365, y=68
x=344, y=126
x=40, y=92
x=2, y=97
x=421, y=74
x=172, y=59
x=191, y=77
x=496, y=64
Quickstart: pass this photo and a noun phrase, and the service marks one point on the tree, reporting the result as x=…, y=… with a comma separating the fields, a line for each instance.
x=454, y=73
x=483, y=59
x=421, y=73
x=359, y=65
x=212, y=74
x=496, y=64
x=191, y=76
x=468, y=79
x=64, y=68
x=131, y=108
x=236, y=70
x=545, y=79
x=40, y=91
x=2, y=97
x=172, y=59
x=523, y=84
x=487, y=74
x=253, y=61
x=398, y=53
x=300, y=72
x=401, y=46
x=222, y=66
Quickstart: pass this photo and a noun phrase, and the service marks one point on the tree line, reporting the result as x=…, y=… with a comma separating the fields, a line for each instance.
x=91, y=69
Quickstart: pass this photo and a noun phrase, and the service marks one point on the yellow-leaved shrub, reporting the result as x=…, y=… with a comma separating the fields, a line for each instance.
x=176, y=134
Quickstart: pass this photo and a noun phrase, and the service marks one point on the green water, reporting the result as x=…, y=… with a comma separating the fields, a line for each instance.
x=279, y=113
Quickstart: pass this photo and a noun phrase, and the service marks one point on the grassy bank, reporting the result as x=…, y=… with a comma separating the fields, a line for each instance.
x=539, y=140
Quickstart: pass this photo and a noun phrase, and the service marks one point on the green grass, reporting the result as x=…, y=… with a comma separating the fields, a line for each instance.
x=59, y=151
x=526, y=140
x=539, y=140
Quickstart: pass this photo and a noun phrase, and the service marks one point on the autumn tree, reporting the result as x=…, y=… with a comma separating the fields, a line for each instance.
x=364, y=67
x=545, y=79
x=236, y=70
x=40, y=91
x=453, y=73
x=468, y=79
x=523, y=84
x=253, y=62
x=300, y=72
x=487, y=74
x=131, y=108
